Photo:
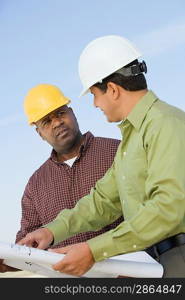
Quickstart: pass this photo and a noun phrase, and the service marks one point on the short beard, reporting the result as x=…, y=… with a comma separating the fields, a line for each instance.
x=71, y=145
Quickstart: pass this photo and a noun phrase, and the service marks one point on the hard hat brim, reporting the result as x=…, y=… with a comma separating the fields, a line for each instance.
x=46, y=112
x=84, y=92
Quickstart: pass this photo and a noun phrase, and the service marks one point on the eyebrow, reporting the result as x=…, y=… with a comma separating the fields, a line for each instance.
x=64, y=109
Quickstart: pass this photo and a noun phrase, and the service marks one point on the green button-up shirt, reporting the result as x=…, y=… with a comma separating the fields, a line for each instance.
x=146, y=184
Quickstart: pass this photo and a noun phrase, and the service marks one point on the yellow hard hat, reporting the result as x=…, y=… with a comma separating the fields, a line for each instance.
x=41, y=100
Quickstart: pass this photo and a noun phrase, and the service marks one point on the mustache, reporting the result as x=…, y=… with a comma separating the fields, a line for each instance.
x=60, y=129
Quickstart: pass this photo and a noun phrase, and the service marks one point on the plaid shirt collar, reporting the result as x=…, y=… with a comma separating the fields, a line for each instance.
x=88, y=136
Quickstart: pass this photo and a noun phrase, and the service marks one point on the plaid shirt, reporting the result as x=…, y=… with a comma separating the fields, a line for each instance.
x=56, y=186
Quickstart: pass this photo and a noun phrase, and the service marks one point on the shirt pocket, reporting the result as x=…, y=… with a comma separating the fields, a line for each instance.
x=135, y=172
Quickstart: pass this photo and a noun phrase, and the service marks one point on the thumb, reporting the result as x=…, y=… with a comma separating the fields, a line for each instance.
x=42, y=245
x=22, y=241
x=62, y=250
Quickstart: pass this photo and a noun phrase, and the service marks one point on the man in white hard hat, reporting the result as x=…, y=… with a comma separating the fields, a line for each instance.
x=146, y=183
x=77, y=161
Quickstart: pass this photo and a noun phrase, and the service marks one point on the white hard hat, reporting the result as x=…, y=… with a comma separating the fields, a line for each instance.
x=104, y=56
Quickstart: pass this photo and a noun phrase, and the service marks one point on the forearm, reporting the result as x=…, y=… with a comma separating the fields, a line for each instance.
x=94, y=211
x=148, y=227
x=4, y=268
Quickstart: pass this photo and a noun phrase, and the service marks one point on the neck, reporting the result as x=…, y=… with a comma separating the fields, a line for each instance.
x=130, y=99
x=72, y=152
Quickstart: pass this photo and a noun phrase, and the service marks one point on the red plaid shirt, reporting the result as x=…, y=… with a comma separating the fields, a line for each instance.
x=56, y=186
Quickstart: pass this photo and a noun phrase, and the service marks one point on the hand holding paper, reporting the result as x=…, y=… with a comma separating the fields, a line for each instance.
x=41, y=237
x=77, y=261
x=137, y=264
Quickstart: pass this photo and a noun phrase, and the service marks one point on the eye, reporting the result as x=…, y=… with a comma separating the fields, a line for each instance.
x=60, y=113
x=46, y=122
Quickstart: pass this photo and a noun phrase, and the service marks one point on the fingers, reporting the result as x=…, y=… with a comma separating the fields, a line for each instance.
x=62, y=250
x=3, y=268
x=40, y=238
x=63, y=266
x=21, y=242
x=30, y=242
x=27, y=241
x=77, y=261
x=42, y=244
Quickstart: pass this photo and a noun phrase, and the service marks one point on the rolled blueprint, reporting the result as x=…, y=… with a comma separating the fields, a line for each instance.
x=136, y=264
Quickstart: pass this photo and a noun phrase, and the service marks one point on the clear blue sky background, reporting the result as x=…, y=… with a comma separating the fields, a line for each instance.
x=40, y=42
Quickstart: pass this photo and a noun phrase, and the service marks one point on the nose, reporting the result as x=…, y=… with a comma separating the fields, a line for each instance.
x=95, y=102
x=56, y=121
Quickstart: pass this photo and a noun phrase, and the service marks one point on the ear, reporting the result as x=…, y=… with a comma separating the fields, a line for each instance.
x=72, y=112
x=113, y=90
x=38, y=131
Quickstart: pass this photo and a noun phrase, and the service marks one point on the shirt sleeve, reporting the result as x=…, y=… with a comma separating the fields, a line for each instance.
x=92, y=212
x=30, y=219
x=162, y=214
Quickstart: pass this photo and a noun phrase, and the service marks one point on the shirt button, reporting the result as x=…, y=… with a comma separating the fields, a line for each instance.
x=104, y=253
x=124, y=153
x=134, y=246
x=123, y=177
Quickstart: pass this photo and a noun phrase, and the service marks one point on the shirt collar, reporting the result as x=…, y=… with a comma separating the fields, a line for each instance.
x=88, y=136
x=137, y=115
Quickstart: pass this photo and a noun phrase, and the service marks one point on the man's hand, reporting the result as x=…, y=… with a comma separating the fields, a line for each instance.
x=4, y=268
x=40, y=238
x=78, y=259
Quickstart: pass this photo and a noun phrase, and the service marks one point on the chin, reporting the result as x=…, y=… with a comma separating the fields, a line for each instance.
x=110, y=120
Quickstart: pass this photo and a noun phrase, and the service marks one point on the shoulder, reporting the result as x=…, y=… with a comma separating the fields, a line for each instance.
x=110, y=142
x=101, y=142
x=164, y=122
x=162, y=109
x=163, y=115
x=104, y=148
x=40, y=172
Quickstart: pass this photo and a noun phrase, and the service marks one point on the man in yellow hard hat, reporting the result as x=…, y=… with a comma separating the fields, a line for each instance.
x=77, y=161
x=146, y=183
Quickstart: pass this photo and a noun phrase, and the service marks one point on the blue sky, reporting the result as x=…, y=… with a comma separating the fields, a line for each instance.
x=41, y=42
